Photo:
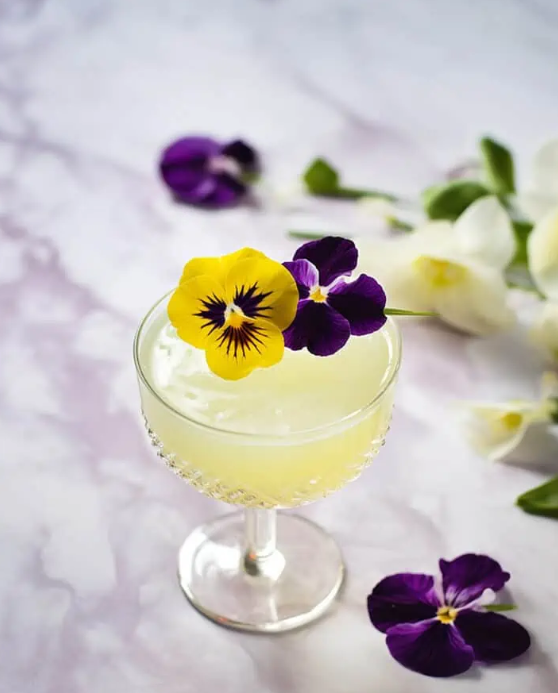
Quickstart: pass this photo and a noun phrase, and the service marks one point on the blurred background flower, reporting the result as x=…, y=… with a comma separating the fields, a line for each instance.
x=542, y=252
x=540, y=193
x=203, y=171
x=455, y=270
x=496, y=429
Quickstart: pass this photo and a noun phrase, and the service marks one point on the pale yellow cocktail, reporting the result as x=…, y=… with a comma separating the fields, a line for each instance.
x=280, y=437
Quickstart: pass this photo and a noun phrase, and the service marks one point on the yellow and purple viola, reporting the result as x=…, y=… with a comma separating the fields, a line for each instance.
x=331, y=308
x=235, y=307
x=243, y=309
x=440, y=626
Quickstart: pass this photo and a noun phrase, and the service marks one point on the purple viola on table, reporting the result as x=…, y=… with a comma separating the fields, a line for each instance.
x=202, y=171
x=440, y=626
x=331, y=306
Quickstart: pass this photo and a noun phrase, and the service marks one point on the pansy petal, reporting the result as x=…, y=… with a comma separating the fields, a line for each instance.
x=183, y=165
x=465, y=578
x=217, y=267
x=243, y=254
x=191, y=149
x=233, y=353
x=200, y=266
x=305, y=276
x=319, y=328
x=361, y=302
x=402, y=598
x=263, y=288
x=431, y=648
x=226, y=190
x=196, y=309
x=243, y=154
x=493, y=637
x=332, y=256
x=484, y=231
x=542, y=250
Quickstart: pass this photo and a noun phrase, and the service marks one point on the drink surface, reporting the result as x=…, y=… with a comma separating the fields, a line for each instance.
x=297, y=445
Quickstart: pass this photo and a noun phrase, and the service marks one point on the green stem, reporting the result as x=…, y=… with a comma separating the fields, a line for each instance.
x=355, y=194
x=500, y=607
x=530, y=289
x=410, y=313
x=399, y=225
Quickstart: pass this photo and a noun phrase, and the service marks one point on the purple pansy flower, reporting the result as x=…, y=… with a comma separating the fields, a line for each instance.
x=439, y=628
x=331, y=309
x=202, y=171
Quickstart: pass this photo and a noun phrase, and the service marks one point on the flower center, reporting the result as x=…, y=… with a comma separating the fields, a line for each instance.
x=446, y=614
x=511, y=420
x=440, y=273
x=234, y=315
x=318, y=294
x=224, y=164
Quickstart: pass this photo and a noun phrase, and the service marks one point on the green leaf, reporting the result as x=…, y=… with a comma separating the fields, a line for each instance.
x=410, y=313
x=500, y=607
x=321, y=178
x=450, y=200
x=542, y=500
x=498, y=166
x=430, y=193
x=521, y=230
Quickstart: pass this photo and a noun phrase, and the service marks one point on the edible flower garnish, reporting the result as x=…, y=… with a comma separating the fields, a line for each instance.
x=331, y=309
x=235, y=307
x=440, y=626
x=202, y=171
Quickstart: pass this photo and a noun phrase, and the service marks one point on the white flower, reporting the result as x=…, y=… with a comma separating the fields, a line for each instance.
x=542, y=252
x=544, y=331
x=455, y=270
x=540, y=193
x=375, y=209
x=495, y=430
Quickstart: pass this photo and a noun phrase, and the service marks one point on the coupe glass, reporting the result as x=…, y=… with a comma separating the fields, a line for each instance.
x=261, y=570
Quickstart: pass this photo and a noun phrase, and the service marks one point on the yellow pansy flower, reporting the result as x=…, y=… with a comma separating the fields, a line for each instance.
x=235, y=307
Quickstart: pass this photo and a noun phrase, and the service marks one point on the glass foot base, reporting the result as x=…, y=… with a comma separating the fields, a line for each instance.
x=295, y=585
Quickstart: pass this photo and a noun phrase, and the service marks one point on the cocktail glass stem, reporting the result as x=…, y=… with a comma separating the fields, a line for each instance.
x=261, y=556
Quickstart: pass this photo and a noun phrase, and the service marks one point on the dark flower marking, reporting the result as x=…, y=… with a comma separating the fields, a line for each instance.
x=249, y=301
x=213, y=313
x=243, y=338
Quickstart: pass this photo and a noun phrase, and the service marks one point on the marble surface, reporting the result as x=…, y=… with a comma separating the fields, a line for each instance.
x=90, y=523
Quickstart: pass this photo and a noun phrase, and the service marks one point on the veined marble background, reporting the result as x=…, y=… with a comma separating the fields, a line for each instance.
x=395, y=93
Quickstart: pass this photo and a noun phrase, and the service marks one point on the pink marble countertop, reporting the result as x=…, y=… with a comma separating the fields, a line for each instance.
x=90, y=523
